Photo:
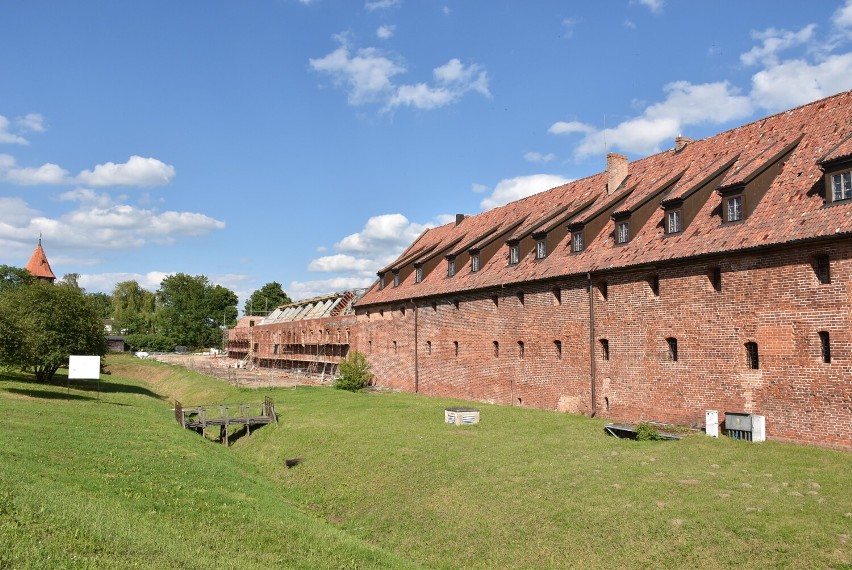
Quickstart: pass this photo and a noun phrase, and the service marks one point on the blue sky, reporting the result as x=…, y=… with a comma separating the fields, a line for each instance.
x=309, y=141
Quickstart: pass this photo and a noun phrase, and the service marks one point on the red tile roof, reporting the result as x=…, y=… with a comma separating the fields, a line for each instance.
x=791, y=207
x=38, y=265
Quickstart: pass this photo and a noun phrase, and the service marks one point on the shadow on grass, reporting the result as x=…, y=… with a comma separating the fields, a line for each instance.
x=108, y=387
x=47, y=394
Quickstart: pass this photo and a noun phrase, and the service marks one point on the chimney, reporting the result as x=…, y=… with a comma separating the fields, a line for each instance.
x=459, y=218
x=681, y=142
x=616, y=171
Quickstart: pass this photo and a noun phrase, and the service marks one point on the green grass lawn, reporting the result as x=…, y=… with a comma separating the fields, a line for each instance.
x=385, y=483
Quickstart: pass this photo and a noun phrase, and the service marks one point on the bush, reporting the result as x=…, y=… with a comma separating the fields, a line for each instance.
x=150, y=342
x=354, y=372
x=644, y=432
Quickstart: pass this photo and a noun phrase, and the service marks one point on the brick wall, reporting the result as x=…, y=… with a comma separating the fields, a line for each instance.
x=771, y=298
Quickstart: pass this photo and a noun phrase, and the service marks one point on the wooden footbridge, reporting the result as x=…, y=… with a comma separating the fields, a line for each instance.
x=199, y=418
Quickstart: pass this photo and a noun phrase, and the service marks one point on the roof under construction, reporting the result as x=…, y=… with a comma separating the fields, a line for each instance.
x=332, y=305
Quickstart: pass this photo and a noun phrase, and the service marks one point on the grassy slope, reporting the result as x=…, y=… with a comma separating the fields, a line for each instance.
x=525, y=488
x=117, y=484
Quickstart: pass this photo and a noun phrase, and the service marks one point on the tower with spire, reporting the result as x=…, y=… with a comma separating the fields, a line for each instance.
x=38, y=266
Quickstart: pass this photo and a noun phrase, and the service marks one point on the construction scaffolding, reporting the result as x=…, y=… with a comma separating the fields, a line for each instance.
x=306, y=339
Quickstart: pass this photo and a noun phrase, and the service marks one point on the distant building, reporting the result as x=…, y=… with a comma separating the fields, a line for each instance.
x=38, y=266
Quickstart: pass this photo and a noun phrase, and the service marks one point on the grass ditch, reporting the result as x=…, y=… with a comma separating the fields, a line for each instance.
x=385, y=483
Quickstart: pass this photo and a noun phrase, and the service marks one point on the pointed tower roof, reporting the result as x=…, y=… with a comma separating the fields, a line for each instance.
x=38, y=265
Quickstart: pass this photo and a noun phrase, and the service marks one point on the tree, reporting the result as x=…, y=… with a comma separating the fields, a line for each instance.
x=354, y=372
x=193, y=309
x=70, y=280
x=102, y=304
x=43, y=325
x=11, y=276
x=266, y=299
x=133, y=309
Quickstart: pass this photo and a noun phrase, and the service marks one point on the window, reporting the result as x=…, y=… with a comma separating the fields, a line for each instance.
x=673, y=224
x=474, y=262
x=603, y=287
x=557, y=295
x=496, y=349
x=752, y=359
x=496, y=299
x=622, y=232
x=716, y=278
x=577, y=244
x=734, y=209
x=428, y=347
x=520, y=349
x=456, y=347
x=275, y=349
x=381, y=281
x=605, y=349
x=654, y=284
x=514, y=253
x=418, y=274
x=822, y=268
x=841, y=186
x=434, y=307
x=451, y=266
x=672, y=344
x=541, y=249
x=396, y=278
x=370, y=346
x=395, y=347
x=402, y=311
x=557, y=345
x=825, y=346
x=456, y=304
x=520, y=295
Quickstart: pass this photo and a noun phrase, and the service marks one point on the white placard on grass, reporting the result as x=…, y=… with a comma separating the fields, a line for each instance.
x=84, y=367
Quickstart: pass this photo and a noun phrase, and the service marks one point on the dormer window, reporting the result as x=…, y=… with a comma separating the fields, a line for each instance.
x=673, y=222
x=396, y=278
x=541, y=249
x=451, y=266
x=514, y=253
x=474, y=262
x=622, y=232
x=577, y=243
x=418, y=273
x=734, y=208
x=381, y=281
x=841, y=186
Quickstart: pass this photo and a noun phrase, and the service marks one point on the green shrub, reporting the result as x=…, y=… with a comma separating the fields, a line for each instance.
x=644, y=432
x=354, y=372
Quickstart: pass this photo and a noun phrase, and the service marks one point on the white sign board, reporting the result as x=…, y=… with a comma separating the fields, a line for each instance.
x=84, y=368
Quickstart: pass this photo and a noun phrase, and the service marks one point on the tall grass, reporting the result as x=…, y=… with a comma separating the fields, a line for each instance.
x=384, y=483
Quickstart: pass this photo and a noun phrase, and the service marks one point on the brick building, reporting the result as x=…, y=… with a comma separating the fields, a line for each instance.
x=715, y=275
x=308, y=337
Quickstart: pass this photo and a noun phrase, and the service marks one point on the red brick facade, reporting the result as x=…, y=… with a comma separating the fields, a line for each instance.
x=750, y=314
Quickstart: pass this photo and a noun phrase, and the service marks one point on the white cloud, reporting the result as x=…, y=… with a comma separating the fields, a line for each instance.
x=568, y=25
x=563, y=127
x=773, y=42
x=137, y=171
x=446, y=10
x=99, y=224
x=655, y=6
x=106, y=282
x=31, y=123
x=795, y=82
x=685, y=104
x=380, y=4
x=29, y=176
x=299, y=290
x=87, y=196
x=384, y=235
x=342, y=263
x=513, y=189
x=539, y=157
x=842, y=17
x=385, y=32
x=478, y=188
x=7, y=136
x=368, y=75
